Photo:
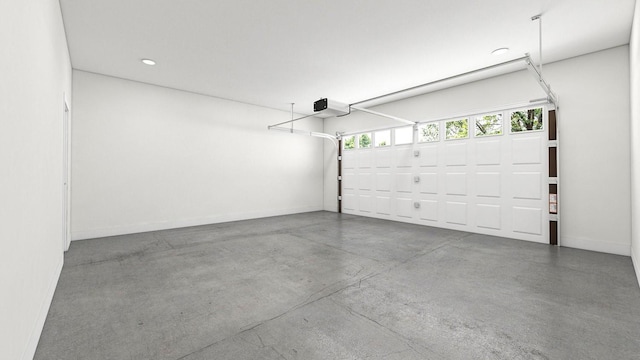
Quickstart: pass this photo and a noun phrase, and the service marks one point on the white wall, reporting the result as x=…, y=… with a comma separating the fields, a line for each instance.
x=35, y=71
x=635, y=139
x=593, y=122
x=147, y=158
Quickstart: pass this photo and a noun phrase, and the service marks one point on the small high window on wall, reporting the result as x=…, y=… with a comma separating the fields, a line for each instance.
x=429, y=132
x=404, y=135
x=383, y=138
x=526, y=120
x=489, y=125
x=349, y=142
x=457, y=129
x=364, y=140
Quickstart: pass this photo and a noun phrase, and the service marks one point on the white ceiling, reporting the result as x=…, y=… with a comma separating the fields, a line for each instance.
x=273, y=53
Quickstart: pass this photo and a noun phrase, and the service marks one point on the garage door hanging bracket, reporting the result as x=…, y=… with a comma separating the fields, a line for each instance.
x=291, y=130
x=537, y=71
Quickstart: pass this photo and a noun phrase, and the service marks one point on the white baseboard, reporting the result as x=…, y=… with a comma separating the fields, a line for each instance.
x=34, y=338
x=636, y=265
x=599, y=246
x=173, y=224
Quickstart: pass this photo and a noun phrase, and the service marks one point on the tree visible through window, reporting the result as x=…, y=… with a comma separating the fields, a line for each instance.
x=365, y=141
x=489, y=125
x=457, y=129
x=429, y=132
x=528, y=120
x=349, y=142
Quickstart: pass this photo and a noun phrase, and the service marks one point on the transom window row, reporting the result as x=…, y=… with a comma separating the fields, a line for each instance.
x=485, y=125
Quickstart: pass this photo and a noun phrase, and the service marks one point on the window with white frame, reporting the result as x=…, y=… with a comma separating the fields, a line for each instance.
x=457, y=129
x=527, y=120
x=349, y=142
x=489, y=125
x=364, y=140
x=428, y=132
x=404, y=135
x=383, y=138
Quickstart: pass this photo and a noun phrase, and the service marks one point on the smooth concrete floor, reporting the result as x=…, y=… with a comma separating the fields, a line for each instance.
x=329, y=286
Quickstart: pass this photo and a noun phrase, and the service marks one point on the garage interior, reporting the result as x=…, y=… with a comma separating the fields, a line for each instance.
x=475, y=195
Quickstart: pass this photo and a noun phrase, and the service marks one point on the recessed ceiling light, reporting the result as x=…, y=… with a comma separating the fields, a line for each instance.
x=148, y=62
x=500, y=51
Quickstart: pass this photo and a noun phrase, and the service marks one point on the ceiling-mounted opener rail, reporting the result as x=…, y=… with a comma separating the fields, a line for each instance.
x=338, y=110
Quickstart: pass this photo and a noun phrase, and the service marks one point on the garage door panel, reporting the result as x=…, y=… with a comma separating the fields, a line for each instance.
x=488, y=184
x=488, y=152
x=428, y=156
x=526, y=150
x=383, y=205
x=365, y=159
x=429, y=210
x=349, y=160
x=404, y=182
x=383, y=182
x=527, y=220
x=456, y=183
x=404, y=157
x=349, y=180
x=456, y=213
x=365, y=181
x=488, y=216
x=456, y=154
x=365, y=203
x=527, y=185
x=382, y=158
x=404, y=207
x=349, y=202
x=429, y=183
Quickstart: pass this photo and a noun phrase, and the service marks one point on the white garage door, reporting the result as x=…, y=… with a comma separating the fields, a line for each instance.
x=484, y=174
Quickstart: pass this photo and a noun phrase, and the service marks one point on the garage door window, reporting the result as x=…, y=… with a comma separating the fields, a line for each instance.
x=526, y=120
x=364, y=141
x=383, y=138
x=457, y=129
x=349, y=142
x=489, y=125
x=429, y=132
x=404, y=135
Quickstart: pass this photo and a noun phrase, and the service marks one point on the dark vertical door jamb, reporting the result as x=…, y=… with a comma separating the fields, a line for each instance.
x=340, y=175
x=553, y=178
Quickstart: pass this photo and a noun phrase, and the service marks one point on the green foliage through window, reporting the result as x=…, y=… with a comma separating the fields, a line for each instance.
x=383, y=138
x=489, y=125
x=528, y=120
x=457, y=129
x=365, y=141
x=349, y=142
x=429, y=132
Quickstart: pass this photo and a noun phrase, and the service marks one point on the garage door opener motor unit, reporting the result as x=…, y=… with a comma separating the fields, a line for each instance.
x=329, y=108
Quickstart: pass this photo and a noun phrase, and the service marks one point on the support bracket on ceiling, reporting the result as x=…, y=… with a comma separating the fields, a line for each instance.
x=537, y=71
x=551, y=96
